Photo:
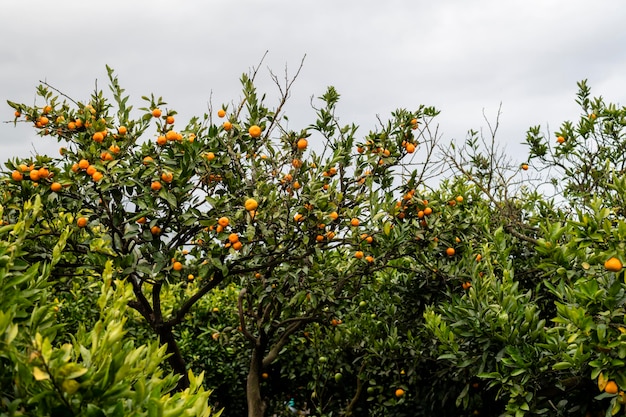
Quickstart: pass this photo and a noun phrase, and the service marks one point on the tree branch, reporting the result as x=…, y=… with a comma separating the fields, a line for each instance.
x=242, y=321
x=218, y=277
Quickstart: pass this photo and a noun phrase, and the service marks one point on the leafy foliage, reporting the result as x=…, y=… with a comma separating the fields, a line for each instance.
x=319, y=265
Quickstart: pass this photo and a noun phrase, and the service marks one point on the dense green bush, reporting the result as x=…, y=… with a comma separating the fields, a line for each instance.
x=101, y=371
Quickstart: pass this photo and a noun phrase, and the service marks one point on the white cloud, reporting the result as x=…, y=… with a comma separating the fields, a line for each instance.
x=462, y=56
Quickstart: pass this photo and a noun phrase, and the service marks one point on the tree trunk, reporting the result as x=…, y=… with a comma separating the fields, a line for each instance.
x=256, y=405
x=176, y=361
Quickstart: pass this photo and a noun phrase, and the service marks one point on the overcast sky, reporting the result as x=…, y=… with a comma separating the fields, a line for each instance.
x=462, y=56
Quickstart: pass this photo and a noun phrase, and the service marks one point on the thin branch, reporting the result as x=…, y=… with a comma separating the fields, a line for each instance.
x=59, y=92
x=359, y=390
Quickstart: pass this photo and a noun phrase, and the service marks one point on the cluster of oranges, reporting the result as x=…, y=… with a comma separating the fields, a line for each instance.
x=371, y=147
x=233, y=240
x=169, y=134
x=403, y=207
x=166, y=177
x=89, y=169
x=36, y=175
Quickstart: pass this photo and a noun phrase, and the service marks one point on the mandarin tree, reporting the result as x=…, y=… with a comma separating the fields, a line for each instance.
x=158, y=236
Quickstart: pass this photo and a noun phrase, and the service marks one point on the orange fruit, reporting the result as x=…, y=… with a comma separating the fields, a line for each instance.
x=106, y=156
x=91, y=170
x=428, y=211
x=302, y=144
x=410, y=148
x=613, y=264
x=358, y=254
x=450, y=251
x=611, y=387
x=478, y=257
x=330, y=235
x=97, y=176
x=79, y=123
x=298, y=217
x=264, y=375
x=17, y=113
x=233, y=237
x=525, y=167
x=155, y=186
x=177, y=266
x=17, y=176
x=171, y=135
x=254, y=131
x=81, y=222
x=167, y=177
x=334, y=215
x=44, y=173
x=34, y=175
x=147, y=160
x=155, y=230
x=156, y=112
x=56, y=187
x=221, y=113
x=74, y=167
x=560, y=139
x=98, y=137
x=122, y=130
x=319, y=238
x=209, y=156
x=369, y=259
x=141, y=220
x=223, y=221
x=355, y=222
x=83, y=164
x=237, y=245
x=161, y=140
x=466, y=285
x=251, y=204
x=115, y=149
x=459, y=198
x=227, y=125
x=169, y=120
x=47, y=109
x=43, y=120
x=400, y=392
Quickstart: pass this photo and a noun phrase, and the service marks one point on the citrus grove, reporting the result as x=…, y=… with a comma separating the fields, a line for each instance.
x=231, y=265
